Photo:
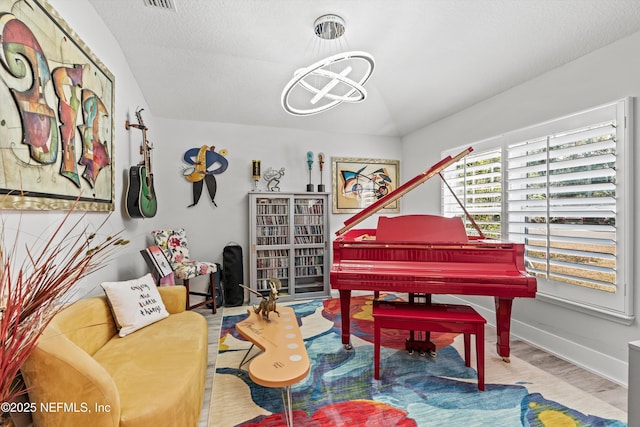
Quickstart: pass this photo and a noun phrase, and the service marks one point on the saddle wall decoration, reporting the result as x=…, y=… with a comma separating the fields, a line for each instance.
x=204, y=164
x=56, y=115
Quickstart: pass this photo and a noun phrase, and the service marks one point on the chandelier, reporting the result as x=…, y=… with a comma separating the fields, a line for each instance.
x=330, y=81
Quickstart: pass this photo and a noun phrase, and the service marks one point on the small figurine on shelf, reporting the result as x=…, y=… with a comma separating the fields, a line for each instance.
x=321, y=166
x=309, y=164
x=255, y=173
x=272, y=177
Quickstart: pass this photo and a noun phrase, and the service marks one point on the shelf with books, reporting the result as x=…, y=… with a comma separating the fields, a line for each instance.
x=289, y=241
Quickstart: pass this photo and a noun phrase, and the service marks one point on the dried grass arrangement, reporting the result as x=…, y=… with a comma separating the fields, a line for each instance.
x=33, y=290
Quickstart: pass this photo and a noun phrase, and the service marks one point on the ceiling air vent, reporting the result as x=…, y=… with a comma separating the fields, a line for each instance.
x=161, y=4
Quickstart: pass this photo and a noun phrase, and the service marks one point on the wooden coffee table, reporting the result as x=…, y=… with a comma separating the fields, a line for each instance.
x=283, y=360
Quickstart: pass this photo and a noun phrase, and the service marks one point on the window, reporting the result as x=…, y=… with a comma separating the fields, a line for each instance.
x=477, y=182
x=563, y=188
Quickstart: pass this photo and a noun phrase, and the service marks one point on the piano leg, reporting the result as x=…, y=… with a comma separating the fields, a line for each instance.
x=345, y=314
x=503, y=326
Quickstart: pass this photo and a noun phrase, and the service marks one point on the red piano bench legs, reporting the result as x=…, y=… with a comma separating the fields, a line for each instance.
x=434, y=318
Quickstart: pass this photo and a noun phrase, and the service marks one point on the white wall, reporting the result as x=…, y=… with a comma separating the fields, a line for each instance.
x=606, y=75
x=210, y=228
x=82, y=18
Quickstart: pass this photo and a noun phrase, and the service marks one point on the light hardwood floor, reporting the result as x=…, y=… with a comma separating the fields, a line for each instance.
x=214, y=322
x=602, y=388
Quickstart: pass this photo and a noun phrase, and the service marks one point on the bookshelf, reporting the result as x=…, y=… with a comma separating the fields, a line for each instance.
x=289, y=241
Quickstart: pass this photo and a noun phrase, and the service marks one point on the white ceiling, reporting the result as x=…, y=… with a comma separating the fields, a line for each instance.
x=228, y=60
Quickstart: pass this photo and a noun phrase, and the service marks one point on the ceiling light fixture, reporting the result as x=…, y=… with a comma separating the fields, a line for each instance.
x=321, y=84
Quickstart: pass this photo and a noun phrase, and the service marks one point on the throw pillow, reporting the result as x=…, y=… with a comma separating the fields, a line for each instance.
x=135, y=303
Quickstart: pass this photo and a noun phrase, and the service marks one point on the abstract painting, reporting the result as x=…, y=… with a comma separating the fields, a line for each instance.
x=56, y=115
x=358, y=183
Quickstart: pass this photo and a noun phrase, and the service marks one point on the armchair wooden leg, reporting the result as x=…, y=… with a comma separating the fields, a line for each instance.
x=185, y=282
x=212, y=283
x=209, y=296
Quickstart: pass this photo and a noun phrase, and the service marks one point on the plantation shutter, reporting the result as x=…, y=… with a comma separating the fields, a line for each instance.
x=562, y=205
x=477, y=182
x=563, y=188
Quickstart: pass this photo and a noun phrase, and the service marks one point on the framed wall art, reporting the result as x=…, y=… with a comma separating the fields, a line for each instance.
x=358, y=183
x=56, y=115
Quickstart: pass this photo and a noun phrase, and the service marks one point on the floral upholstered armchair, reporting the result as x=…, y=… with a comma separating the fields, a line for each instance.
x=175, y=246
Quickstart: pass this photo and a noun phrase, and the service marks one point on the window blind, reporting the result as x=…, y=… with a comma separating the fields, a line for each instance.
x=477, y=183
x=562, y=205
x=563, y=188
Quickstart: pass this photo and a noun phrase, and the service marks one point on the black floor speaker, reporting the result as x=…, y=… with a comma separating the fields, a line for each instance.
x=232, y=275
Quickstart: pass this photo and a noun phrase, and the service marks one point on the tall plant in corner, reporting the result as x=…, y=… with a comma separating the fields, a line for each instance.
x=33, y=289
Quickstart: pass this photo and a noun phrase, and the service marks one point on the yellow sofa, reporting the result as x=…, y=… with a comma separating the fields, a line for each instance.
x=82, y=373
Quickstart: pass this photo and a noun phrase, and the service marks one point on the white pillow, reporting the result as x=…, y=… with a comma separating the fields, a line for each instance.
x=135, y=303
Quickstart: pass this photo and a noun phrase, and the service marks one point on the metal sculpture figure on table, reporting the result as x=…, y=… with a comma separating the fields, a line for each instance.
x=267, y=304
x=321, y=187
x=273, y=176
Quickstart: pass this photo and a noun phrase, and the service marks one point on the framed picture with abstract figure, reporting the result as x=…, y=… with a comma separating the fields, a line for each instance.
x=358, y=183
x=56, y=115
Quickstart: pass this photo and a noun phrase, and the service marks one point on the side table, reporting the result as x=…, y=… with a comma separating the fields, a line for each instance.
x=284, y=360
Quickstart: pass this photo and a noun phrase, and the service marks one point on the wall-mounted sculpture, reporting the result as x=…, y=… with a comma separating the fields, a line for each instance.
x=204, y=163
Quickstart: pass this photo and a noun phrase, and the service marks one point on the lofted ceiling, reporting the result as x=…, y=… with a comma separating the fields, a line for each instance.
x=229, y=60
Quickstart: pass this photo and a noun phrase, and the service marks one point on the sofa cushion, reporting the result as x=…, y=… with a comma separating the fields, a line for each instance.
x=135, y=303
x=160, y=371
x=88, y=323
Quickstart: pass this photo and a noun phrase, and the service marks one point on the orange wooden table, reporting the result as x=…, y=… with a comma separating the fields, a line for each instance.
x=284, y=360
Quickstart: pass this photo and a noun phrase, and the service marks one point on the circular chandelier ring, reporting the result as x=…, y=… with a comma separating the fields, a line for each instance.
x=356, y=87
x=317, y=68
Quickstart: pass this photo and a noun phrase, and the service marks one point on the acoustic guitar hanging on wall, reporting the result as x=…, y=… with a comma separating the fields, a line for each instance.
x=141, y=196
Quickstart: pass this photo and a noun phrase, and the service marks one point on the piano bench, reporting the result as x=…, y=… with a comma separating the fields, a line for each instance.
x=434, y=318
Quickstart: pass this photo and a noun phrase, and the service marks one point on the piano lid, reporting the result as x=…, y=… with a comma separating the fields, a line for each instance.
x=401, y=191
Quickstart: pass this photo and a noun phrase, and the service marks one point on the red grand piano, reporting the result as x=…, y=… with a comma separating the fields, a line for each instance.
x=426, y=254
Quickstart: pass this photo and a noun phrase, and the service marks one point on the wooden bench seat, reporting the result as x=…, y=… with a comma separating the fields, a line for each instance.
x=431, y=317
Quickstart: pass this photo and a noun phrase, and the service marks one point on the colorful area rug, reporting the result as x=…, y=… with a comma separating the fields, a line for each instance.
x=413, y=390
